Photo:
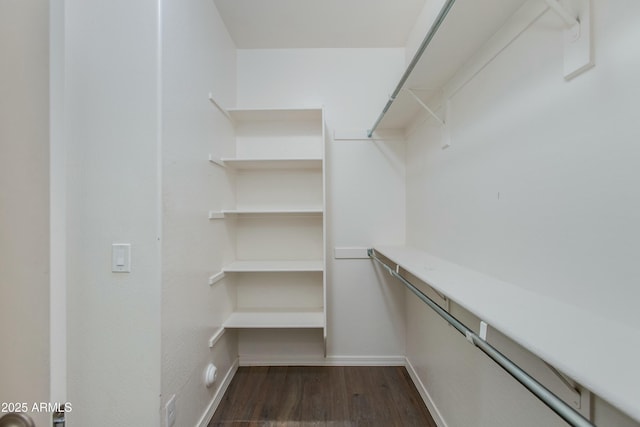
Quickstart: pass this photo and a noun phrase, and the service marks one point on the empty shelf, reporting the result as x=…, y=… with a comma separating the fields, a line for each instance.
x=273, y=266
x=240, y=115
x=315, y=211
x=261, y=319
x=297, y=163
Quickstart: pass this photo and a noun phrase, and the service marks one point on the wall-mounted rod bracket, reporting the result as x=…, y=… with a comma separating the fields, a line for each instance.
x=578, y=55
x=484, y=329
x=567, y=17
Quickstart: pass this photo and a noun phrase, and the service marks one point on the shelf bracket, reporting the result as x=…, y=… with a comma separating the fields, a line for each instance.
x=577, y=36
x=216, y=214
x=216, y=278
x=217, y=161
x=219, y=107
x=216, y=337
x=571, y=387
x=446, y=135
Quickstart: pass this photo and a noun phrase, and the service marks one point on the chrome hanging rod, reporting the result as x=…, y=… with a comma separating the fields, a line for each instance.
x=557, y=405
x=427, y=40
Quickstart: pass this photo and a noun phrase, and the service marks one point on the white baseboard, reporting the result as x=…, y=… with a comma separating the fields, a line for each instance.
x=365, y=361
x=217, y=398
x=426, y=397
x=323, y=361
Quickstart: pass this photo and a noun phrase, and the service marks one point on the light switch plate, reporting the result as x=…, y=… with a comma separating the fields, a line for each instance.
x=121, y=258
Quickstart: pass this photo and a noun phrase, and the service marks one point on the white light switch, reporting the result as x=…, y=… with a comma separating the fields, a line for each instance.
x=121, y=258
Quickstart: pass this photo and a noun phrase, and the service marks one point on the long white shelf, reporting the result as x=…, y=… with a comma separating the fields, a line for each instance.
x=275, y=319
x=273, y=266
x=599, y=353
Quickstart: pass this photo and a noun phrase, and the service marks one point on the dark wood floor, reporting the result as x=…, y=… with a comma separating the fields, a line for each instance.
x=321, y=396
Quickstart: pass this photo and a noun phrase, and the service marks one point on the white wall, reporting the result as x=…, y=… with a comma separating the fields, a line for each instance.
x=198, y=57
x=538, y=189
x=24, y=203
x=112, y=130
x=365, y=194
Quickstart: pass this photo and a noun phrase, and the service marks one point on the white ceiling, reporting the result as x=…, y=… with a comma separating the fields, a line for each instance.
x=273, y=24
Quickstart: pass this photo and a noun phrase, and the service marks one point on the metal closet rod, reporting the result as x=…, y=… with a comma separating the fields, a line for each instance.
x=427, y=40
x=557, y=405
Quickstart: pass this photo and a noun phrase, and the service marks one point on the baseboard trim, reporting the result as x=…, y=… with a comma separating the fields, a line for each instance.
x=426, y=397
x=217, y=398
x=323, y=361
x=365, y=360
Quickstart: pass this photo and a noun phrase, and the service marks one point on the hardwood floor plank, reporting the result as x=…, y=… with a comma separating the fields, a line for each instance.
x=321, y=396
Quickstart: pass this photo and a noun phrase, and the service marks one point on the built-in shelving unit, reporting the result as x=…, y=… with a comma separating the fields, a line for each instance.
x=599, y=353
x=278, y=274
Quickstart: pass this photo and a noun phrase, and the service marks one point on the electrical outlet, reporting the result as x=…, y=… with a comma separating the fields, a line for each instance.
x=170, y=411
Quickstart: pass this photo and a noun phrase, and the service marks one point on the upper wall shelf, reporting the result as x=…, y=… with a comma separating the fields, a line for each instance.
x=462, y=27
x=462, y=31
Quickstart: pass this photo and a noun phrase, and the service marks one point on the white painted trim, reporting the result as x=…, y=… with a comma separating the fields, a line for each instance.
x=323, y=361
x=426, y=397
x=217, y=398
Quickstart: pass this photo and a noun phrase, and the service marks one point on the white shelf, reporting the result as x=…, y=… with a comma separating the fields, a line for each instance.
x=598, y=353
x=466, y=28
x=273, y=212
x=264, y=163
x=240, y=115
x=273, y=319
x=273, y=266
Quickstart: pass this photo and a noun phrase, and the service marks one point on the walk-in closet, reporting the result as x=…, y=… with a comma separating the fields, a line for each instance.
x=319, y=213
